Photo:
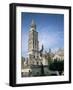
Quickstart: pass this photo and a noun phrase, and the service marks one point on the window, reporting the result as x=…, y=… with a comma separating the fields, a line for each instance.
x=33, y=56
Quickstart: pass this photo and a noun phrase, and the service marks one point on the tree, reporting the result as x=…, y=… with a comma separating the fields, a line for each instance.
x=49, y=59
x=42, y=70
x=57, y=66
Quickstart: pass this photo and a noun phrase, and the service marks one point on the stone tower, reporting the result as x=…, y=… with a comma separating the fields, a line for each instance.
x=33, y=43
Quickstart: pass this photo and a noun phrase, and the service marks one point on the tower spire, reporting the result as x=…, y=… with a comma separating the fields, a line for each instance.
x=33, y=46
x=33, y=22
x=33, y=25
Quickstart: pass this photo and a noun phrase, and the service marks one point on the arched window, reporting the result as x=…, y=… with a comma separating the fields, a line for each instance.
x=33, y=56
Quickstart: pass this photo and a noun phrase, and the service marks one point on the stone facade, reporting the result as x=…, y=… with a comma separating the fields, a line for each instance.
x=37, y=61
x=59, y=55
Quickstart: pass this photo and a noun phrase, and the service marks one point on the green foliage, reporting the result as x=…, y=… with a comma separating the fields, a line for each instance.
x=57, y=65
x=49, y=60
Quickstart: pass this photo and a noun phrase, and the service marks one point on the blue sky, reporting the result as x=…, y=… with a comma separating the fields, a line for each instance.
x=50, y=28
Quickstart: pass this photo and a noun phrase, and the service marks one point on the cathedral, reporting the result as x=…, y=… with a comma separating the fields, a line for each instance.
x=37, y=62
x=35, y=55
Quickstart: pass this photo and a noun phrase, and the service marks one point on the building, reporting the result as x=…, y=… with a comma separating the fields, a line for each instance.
x=59, y=54
x=36, y=57
x=37, y=62
x=33, y=44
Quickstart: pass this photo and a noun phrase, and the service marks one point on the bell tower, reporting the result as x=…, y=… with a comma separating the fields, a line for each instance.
x=33, y=43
